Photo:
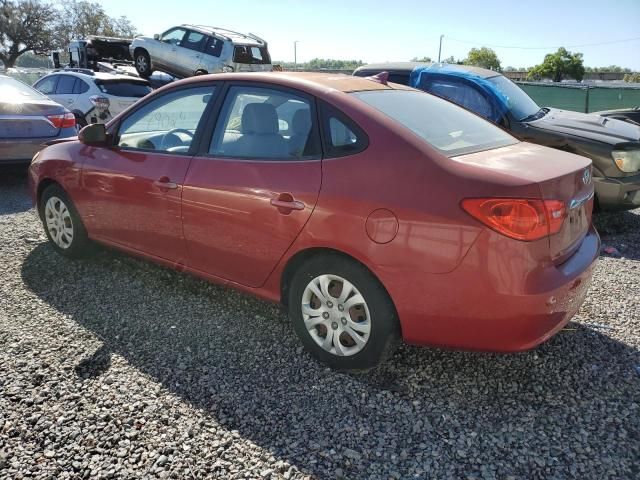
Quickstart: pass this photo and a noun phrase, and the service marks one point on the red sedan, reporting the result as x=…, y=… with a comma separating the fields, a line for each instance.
x=373, y=211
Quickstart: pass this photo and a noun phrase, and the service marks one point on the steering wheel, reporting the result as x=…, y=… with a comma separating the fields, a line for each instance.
x=173, y=131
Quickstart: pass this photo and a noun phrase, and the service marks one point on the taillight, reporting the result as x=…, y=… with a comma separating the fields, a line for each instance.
x=101, y=103
x=63, y=120
x=519, y=218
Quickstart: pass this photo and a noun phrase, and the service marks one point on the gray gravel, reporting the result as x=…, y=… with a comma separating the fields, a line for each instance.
x=116, y=368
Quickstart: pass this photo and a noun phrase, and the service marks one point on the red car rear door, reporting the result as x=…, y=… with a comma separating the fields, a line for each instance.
x=251, y=191
x=134, y=189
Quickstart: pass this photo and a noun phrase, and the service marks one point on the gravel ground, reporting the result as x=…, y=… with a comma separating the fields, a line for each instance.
x=116, y=368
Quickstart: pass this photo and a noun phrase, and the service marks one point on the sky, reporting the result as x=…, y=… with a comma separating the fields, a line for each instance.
x=398, y=30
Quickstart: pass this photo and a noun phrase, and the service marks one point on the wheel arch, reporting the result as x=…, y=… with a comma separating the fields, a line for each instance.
x=299, y=258
x=140, y=50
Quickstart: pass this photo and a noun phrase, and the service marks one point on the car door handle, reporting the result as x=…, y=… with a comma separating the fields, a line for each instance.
x=165, y=183
x=287, y=202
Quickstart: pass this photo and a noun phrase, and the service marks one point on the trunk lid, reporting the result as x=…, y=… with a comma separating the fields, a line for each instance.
x=559, y=176
x=27, y=119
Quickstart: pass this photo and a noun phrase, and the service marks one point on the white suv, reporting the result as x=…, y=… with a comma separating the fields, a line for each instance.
x=196, y=50
x=93, y=97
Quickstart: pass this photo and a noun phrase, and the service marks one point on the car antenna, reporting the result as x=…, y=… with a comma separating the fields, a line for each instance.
x=382, y=77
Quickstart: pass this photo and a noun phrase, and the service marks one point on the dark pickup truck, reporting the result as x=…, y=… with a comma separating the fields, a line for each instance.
x=613, y=145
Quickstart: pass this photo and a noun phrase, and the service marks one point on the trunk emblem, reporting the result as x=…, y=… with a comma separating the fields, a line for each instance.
x=586, y=176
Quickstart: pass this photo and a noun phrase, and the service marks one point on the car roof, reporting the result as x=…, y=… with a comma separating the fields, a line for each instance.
x=409, y=66
x=97, y=75
x=235, y=37
x=317, y=81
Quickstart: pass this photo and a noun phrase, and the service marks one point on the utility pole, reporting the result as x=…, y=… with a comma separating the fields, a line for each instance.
x=440, y=49
x=295, y=53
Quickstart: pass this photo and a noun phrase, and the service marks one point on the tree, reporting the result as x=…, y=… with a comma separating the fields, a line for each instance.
x=421, y=60
x=25, y=26
x=632, y=77
x=483, y=57
x=80, y=19
x=451, y=59
x=559, y=64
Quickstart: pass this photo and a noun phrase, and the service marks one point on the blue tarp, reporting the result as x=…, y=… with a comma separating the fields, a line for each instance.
x=426, y=77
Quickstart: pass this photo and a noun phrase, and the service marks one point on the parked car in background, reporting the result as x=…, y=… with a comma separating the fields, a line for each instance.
x=631, y=115
x=28, y=120
x=197, y=50
x=612, y=145
x=372, y=211
x=93, y=97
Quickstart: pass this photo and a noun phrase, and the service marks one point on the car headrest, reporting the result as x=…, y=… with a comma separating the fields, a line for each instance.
x=301, y=122
x=260, y=119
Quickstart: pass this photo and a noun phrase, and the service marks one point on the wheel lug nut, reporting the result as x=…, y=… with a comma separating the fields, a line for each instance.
x=340, y=307
x=343, y=320
x=329, y=304
x=325, y=315
x=334, y=325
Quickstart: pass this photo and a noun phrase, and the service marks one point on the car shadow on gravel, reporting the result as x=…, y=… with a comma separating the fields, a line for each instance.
x=236, y=358
x=13, y=179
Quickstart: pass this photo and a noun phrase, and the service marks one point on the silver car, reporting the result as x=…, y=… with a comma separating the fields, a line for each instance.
x=196, y=50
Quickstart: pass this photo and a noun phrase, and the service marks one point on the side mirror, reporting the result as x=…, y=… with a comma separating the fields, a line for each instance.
x=156, y=36
x=94, y=135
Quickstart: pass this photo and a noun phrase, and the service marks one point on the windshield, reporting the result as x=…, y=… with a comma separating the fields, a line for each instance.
x=14, y=91
x=519, y=103
x=123, y=88
x=447, y=127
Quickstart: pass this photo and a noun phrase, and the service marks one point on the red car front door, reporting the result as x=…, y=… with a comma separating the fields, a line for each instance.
x=133, y=190
x=247, y=199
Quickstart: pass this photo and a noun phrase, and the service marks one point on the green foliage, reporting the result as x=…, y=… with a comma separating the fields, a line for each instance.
x=610, y=68
x=322, y=64
x=25, y=26
x=38, y=26
x=558, y=65
x=452, y=60
x=422, y=59
x=483, y=57
x=632, y=77
x=31, y=60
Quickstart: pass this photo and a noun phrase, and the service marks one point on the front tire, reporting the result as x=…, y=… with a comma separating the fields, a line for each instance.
x=62, y=224
x=143, y=64
x=342, y=314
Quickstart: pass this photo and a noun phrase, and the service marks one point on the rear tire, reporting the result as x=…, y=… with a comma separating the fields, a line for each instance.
x=81, y=121
x=143, y=63
x=62, y=224
x=353, y=329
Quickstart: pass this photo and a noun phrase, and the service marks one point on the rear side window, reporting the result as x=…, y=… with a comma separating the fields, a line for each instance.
x=214, y=47
x=342, y=136
x=47, y=85
x=65, y=85
x=445, y=126
x=80, y=87
x=251, y=54
x=124, y=88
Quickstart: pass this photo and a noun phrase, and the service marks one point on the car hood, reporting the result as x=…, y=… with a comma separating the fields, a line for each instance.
x=595, y=127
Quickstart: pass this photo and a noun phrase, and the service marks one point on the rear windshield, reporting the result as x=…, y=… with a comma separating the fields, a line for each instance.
x=251, y=54
x=12, y=91
x=447, y=127
x=123, y=88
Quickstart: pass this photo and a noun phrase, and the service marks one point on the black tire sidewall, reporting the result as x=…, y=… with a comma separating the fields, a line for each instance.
x=80, y=245
x=385, y=330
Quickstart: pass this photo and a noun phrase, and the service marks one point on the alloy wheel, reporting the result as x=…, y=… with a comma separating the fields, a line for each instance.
x=336, y=315
x=59, y=223
x=142, y=63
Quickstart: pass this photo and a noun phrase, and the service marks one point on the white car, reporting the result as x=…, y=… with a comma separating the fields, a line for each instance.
x=93, y=97
x=189, y=50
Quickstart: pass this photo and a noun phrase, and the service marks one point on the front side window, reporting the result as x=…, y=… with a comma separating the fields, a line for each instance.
x=47, y=85
x=173, y=37
x=167, y=123
x=262, y=123
x=194, y=41
x=464, y=95
x=445, y=126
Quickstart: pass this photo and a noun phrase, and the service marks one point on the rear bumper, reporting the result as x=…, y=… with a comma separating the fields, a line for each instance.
x=490, y=303
x=618, y=193
x=22, y=150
